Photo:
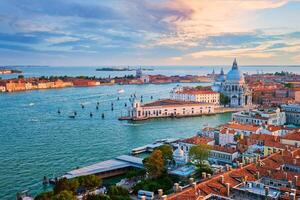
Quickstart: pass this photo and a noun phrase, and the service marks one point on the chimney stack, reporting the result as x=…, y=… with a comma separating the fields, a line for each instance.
x=194, y=185
x=257, y=175
x=290, y=184
x=266, y=191
x=143, y=197
x=191, y=181
x=164, y=197
x=285, y=175
x=222, y=179
x=208, y=175
x=228, y=189
x=296, y=179
x=295, y=161
x=160, y=193
x=203, y=175
x=176, y=187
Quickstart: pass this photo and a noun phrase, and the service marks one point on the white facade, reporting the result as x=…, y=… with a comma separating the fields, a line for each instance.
x=226, y=137
x=169, y=108
x=260, y=117
x=292, y=112
x=192, y=94
x=234, y=87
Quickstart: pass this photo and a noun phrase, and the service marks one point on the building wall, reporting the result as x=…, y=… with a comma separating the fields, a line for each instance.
x=140, y=112
x=290, y=142
x=292, y=113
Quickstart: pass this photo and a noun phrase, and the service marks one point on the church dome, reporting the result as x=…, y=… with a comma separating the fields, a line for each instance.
x=235, y=75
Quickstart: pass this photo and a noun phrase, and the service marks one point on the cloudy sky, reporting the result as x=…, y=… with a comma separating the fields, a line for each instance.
x=149, y=32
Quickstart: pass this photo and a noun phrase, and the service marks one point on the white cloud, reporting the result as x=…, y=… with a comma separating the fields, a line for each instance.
x=57, y=40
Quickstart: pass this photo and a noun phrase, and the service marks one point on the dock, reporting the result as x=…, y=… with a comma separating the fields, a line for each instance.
x=108, y=168
x=150, y=147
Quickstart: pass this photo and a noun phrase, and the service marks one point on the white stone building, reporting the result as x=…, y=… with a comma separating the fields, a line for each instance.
x=194, y=94
x=260, y=117
x=169, y=108
x=234, y=87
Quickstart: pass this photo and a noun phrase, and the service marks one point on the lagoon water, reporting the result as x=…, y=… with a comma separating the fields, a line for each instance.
x=36, y=141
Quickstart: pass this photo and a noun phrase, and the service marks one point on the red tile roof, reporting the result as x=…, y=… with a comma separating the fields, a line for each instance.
x=269, y=166
x=197, y=140
x=170, y=102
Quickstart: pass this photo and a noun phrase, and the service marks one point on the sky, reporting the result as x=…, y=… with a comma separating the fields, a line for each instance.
x=149, y=32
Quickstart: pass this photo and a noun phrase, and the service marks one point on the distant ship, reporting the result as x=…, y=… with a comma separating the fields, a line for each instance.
x=120, y=91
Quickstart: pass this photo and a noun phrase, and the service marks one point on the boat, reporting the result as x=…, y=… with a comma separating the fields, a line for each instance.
x=120, y=91
x=72, y=116
x=31, y=104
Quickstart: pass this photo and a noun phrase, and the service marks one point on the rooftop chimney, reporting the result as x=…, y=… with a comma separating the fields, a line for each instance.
x=164, y=197
x=204, y=175
x=222, y=179
x=266, y=191
x=296, y=179
x=191, y=181
x=176, y=187
x=295, y=161
x=143, y=197
x=228, y=189
x=257, y=175
x=160, y=193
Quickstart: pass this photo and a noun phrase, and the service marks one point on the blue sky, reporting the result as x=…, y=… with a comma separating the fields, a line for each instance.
x=149, y=32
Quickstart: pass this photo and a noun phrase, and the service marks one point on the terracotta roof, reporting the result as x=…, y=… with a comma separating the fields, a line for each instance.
x=269, y=167
x=292, y=136
x=224, y=149
x=196, y=91
x=197, y=140
x=227, y=131
x=247, y=127
x=264, y=137
x=170, y=102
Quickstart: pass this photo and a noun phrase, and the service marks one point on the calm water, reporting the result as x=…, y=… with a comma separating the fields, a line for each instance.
x=35, y=141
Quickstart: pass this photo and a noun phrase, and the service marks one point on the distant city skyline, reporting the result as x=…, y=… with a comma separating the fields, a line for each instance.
x=149, y=32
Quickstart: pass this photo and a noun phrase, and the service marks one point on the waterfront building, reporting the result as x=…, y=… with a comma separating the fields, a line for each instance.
x=169, y=108
x=234, y=87
x=205, y=95
x=271, y=116
x=292, y=112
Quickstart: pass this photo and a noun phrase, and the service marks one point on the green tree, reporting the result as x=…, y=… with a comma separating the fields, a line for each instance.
x=98, y=197
x=198, y=154
x=167, y=153
x=118, y=193
x=65, y=185
x=89, y=182
x=224, y=100
x=44, y=196
x=154, y=164
x=64, y=195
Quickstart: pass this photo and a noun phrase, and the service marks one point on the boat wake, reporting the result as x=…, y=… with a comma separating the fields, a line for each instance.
x=33, y=120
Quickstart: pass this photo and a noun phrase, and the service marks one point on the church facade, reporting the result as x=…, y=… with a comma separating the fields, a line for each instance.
x=233, y=86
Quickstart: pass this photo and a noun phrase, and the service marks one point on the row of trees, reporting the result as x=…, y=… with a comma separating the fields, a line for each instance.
x=65, y=189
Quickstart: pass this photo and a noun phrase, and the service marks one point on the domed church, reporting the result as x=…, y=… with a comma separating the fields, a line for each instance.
x=234, y=87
